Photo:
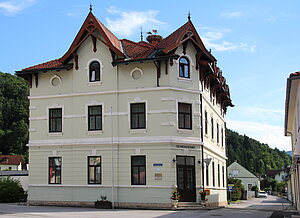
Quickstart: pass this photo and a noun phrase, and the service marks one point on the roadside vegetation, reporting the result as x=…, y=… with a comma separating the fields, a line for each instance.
x=11, y=190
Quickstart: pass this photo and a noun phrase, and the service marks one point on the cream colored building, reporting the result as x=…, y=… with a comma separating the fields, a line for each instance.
x=127, y=120
x=291, y=128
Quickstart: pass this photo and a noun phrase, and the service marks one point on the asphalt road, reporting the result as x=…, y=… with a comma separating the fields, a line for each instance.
x=255, y=208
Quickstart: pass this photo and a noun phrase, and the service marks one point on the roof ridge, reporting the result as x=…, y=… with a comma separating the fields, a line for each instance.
x=137, y=43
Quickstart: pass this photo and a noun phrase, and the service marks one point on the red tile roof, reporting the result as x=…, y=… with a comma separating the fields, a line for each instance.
x=49, y=64
x=10, y=159
x=295, y=74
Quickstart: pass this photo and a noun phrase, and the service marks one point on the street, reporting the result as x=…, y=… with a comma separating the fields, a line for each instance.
x=254, y=208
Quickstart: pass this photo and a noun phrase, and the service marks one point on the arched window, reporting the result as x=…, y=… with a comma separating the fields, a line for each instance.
x=184, y=67
x=94, y=71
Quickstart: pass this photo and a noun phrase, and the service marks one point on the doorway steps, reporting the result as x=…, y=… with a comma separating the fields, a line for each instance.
x=189, y=206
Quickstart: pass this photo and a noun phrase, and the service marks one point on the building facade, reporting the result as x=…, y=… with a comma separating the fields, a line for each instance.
x=291, y=128
x=237, y=171
x=127, y=120
x=10, y=162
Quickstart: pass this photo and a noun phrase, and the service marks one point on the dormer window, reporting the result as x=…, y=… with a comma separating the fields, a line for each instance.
x=184, y=67
x=94, y=71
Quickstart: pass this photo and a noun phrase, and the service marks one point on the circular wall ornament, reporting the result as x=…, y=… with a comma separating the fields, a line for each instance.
x=55, y=80
x=136, y=73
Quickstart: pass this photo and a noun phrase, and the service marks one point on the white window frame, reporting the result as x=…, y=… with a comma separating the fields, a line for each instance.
x=93, y=132
x=56, y=106
x=182, y=79
x=87, y=68
x=137, y=100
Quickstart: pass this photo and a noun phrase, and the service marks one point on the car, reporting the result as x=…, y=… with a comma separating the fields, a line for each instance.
x=262, y=194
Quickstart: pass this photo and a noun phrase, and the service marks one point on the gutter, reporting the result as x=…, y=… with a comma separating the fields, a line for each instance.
x=287, y=101
x=23, y=72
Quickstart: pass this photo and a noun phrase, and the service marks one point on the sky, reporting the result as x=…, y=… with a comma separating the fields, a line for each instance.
x=255, y=42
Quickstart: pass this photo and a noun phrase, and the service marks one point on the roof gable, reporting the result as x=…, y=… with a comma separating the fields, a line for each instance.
x=89, y=26
x=243, y=171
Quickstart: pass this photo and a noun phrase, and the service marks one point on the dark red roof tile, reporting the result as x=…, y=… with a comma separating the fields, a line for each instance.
x=46, y=65
x=10, y=159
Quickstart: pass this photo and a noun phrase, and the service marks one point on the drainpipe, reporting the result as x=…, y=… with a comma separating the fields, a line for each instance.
x=201, y=141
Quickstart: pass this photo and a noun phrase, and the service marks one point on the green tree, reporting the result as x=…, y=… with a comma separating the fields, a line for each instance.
x=13, y=114
x=238, y=189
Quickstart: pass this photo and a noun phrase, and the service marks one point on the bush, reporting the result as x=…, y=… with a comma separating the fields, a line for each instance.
x=238, y=189
x=10, y=190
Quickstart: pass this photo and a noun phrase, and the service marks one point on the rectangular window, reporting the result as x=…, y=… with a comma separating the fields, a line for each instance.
x=95, y=118
x=207, y=175
x=55, y=120
x=219, y=185
x=212, y=128
x=222, y=137
x=138, y=170
x=184, y=116
x=213, y=173
x=223, y=175
x=138, y=116
x=94, y=170
x=206, y=122
x=218, y=140
x=54, y=170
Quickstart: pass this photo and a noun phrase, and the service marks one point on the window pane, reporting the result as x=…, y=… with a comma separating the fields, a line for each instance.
x=138, y=116
x=138, y=160
x=58, y=170
x=142, y=121
x=186, y=71
x=181, y=121
x=183, y=61
x=91, y=175
x=98, y=175
x=190, y=161
x=135, y=175
x=138, y=107
x=180, y=160
x=142, y=175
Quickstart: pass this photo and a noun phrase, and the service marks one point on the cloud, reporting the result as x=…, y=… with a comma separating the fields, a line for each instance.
x=233, y=14
x=265, y=133
x=129, y=21
x=12, y=7
x=213, y=38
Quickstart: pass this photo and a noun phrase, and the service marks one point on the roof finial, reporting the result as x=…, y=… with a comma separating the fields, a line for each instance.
x=141, y=34
x=189, y=16
x=91, y=7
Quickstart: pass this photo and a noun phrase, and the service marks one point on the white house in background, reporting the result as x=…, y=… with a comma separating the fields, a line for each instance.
x=10, y=162
x=21, y=175
x=292, y=129
x=278, y=175
x=127, y=120
x=237, y=171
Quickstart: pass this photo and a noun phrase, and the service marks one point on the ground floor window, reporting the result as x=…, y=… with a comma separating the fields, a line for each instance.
x=54, y=170
x=94, y=170
x=138, y=170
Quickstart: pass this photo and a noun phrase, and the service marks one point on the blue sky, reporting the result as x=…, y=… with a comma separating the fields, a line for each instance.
x=255, y=42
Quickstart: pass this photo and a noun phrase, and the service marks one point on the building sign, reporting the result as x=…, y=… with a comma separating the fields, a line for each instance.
x=158, y=176
x=157, y=164
x=207, y=192
x=185, y=146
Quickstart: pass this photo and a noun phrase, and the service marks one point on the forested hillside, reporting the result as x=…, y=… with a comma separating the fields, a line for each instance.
x=253, y=155
x=13, y=114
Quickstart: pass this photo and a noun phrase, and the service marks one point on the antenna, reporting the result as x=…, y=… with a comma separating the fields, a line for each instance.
x=141, y=34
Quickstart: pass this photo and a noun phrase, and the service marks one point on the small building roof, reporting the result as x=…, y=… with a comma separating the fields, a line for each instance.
x=273, y=172
x=10, y=160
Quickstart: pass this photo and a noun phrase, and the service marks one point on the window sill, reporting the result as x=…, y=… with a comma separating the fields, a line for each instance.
x=183, y=79
x=55, y=134
x=97, y=132
x=133, y=131
x=98, y=83
x=185, y=131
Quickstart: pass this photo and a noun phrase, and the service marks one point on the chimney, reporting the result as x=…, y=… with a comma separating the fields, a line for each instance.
x=153, y=39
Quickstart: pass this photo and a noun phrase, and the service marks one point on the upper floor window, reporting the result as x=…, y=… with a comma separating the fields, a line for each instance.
x=95, y=118
x=212, y=128
x=94, y=71
x=54, y=170
x=184, y=67
x=184, y=116
x=138, y=170
x=206, y=122
x=138, y=116
x=94, y=170
x=55, y=120
x=218, y=133
x=222, y=137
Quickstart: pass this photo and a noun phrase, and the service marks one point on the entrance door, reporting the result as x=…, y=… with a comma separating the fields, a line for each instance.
x=186, y=178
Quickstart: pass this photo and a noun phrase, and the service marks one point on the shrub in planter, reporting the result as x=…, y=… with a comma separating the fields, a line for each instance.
x=103, y=204
x=10, y=190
